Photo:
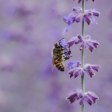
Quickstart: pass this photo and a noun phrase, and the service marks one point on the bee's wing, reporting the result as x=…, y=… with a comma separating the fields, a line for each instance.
x=52, y=60
x=52, y=64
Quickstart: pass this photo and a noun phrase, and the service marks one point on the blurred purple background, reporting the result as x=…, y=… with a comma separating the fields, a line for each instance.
x=28, y=30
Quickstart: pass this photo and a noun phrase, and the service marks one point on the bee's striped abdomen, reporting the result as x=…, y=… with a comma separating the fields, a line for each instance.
x=57, y=61
x=60, y=66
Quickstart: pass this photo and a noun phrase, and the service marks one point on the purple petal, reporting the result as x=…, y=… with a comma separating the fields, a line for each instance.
x=79, y=1
x=78, y=64
x=72, y=98
x=78, y=19
x=69, y=20
x=95, y=67
x=82, y=101
x=87, y=20
x=95, y=44
x=93, y=96
x=80, y=38
x=91, y=48
x=88, y=100
x=71, y=73
x=91, y=72
x=76, y=73
x=71, y=42
x=96, y=13
x=83, y=45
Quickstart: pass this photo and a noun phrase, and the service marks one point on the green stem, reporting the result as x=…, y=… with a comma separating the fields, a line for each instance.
x=82, y=56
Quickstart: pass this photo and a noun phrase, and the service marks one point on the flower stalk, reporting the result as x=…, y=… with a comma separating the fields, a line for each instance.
x=82, y=56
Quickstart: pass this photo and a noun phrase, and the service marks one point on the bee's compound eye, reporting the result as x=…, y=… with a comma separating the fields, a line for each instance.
x=56, y=45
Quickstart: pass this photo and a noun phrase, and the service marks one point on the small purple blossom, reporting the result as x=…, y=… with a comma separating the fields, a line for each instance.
x=69, y=19
x=63, y=43
x=89, y=16
x=74, y=96
x=81, y=0
x=74, y=40
x=91, y=69
x=74, y=16
x=77, y=70
x=85, y=42
x=71, y=65
x=77, y=15
x=66, y=49
x=88, y=97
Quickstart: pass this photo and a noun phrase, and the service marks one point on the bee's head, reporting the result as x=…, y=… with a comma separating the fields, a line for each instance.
x=56, y=45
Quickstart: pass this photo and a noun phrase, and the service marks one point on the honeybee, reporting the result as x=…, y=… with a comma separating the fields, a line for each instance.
x=60, y=55
x=57, y=57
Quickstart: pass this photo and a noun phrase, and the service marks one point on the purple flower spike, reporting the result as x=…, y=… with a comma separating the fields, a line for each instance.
x=74, y=96
x=90, y=69
x=89, y=97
